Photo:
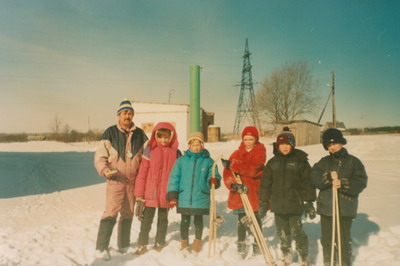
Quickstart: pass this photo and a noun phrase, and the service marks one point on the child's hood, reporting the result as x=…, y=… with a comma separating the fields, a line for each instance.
x=173, y=143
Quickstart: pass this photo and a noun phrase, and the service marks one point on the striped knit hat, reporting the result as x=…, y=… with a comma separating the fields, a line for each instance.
x=125, y=105
x=286, y=137
x=196, y=136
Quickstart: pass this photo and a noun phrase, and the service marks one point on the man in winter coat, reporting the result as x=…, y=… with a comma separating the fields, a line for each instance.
x=117, y=159
x=346, y=173
x=286, y=187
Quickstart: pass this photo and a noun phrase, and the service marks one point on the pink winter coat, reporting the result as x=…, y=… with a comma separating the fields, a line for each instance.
x=152, y=180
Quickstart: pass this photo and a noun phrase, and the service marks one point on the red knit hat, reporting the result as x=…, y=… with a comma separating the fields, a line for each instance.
x=250, y=131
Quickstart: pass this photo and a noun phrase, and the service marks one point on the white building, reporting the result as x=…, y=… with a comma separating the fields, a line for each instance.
x=148, y=114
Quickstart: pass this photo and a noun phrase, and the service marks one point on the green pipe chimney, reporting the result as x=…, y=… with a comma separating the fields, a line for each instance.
x=195, y=98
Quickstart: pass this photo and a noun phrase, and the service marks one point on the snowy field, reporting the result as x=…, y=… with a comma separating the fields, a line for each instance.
x=51, y=201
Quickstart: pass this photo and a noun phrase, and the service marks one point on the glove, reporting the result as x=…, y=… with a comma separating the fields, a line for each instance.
x=240, y=188
x=264, y=207
x=327, y=178
x=109, y=173
x=226, y=163
x=139, y=208
x=214, y=181
x=345, y=184
x=309, y=210
x=173, y=203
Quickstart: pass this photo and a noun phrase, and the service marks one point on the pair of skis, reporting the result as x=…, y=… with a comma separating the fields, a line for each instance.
x=251, y=220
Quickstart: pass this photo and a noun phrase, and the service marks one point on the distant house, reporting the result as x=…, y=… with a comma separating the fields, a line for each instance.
x=339, y=125
x=36, y=137
x=305, y=132
x=148, y=114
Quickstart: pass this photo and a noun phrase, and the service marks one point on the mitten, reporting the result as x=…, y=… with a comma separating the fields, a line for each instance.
x=240, y=188
x=309, y=210
x=226, y=163
x=173, y=203
x=214, y=181
x=263, y=209
x=345, y=184
x=139, y=208
x=110, y=173
x=327, y=178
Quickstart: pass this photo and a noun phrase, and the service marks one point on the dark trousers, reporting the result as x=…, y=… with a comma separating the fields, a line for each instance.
x=145, y=227
x=198, y=226
x=242, y=227
x=326, y=238
x=289, y=227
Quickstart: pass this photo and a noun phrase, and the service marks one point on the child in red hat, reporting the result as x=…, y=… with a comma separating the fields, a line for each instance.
x=247, y=162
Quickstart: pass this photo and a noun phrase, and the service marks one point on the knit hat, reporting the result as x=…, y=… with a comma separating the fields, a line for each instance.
x=331, y=136
x=250, y=131
x=125, y=105
x=196, y=136
x=286, y=137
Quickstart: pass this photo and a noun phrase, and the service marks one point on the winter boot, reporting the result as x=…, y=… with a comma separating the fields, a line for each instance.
x=141, y=250
x=124, y=233
x=184, y=244
x=303, y=261
x=104, y=255
x=242, y=249
x=197, y=245
x=159, y=247
x=287, y=257
x=104, y=234
x=256, y=249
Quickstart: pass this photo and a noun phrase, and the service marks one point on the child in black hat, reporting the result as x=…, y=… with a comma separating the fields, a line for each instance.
x=286, y=187
x=346, y=173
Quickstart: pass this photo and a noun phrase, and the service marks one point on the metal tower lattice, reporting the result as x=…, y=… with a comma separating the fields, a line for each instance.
x=246, y=106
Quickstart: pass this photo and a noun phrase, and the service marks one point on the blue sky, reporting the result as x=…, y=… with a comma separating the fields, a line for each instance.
x=79, y=59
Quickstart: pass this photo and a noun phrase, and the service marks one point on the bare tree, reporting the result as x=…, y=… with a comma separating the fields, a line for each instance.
x=287, y=94
x=55, y=126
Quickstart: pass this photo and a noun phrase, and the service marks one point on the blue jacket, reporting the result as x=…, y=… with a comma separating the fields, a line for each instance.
x=189, y=182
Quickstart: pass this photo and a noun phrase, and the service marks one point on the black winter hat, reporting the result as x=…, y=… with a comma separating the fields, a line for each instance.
x=332, y=135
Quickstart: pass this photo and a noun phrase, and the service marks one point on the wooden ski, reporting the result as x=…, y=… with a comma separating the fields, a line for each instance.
x=254, y=226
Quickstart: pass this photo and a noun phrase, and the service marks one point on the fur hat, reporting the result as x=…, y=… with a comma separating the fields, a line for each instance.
x=125, y=105
x=331, y=136
x=286, y=137
x=196, y=136
x=250, y=131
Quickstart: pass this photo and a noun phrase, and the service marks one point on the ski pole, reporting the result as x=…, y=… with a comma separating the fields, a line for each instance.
x=339, y=239
x=333, y=225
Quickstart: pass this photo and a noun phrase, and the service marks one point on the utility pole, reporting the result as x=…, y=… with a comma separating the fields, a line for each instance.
x=246, y=105
x=333, y=101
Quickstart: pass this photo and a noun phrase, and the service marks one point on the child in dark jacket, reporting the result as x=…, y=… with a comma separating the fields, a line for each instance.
x=189, y=187
x=248, y=163
x=346, y=173
x=152, y=183
x=286, y=188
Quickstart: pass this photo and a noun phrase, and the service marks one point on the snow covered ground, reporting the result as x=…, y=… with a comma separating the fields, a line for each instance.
x=51, y=203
